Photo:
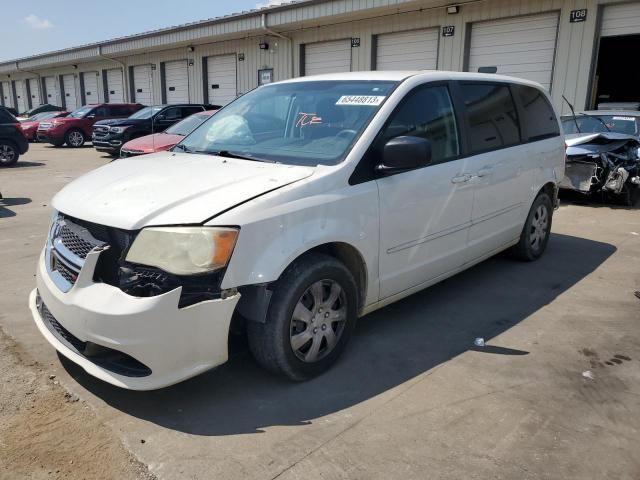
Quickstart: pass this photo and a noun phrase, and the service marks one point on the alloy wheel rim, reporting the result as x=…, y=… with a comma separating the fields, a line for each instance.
x=539, y=227
x=7, y=153
x=75, y=138
x=318, y=321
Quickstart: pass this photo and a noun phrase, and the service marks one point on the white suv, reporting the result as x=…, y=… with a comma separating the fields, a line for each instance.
x=296, y=209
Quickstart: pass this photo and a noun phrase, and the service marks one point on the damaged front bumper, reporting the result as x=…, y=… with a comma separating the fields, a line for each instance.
x=131, y=342
x=603, y=162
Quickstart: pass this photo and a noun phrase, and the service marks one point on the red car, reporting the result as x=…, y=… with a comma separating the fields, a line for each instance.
x=30, y=125
x=75, y=129
x=158, y=142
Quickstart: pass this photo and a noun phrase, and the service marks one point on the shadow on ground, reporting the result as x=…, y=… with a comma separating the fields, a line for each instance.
x=390, y=347
x=25, y=164
x=11, y=202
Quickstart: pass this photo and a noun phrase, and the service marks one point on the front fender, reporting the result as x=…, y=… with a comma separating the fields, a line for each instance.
x=272, y=240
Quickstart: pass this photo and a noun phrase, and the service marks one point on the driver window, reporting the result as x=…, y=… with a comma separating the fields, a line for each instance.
x=427, y=113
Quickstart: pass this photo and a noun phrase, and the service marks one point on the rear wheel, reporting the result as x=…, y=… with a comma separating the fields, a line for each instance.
x=537, y=230
x=311, y=317
x=9, y=153
x=74, y=138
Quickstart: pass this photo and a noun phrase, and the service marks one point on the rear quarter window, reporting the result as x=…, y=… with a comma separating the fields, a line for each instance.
x=538, y=119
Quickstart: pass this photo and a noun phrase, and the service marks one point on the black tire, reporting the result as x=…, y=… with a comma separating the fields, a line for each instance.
x=527, y=249
x=9, y=153
x=271, y=342
x=74, y=138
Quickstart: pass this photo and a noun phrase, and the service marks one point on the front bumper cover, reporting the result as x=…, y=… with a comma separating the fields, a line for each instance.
x=175, y=344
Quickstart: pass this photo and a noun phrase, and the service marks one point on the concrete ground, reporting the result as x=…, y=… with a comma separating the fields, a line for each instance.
x=554, y=394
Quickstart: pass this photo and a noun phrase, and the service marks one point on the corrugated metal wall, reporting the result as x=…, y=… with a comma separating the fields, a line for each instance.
x=334, y=20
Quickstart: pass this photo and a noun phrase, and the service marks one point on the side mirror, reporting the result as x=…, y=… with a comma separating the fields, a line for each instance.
x=161, y=117
x=405, y=153
x=91, y=115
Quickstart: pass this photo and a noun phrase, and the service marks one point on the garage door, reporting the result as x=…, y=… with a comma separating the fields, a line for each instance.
x=34, y=90
x=90, y=84
x=21, y=94
x=70, y=93
x=414, y=50
x=115, y=88
x=142, y=85
x=176, y=82
x=621, y=20
x=7, y=95
x=53, y=96
x=221, y=79
x=521, y=46
x=327, y=57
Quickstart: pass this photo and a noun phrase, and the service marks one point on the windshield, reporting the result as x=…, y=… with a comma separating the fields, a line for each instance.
x=599, y=124
x=300, y=123
x=146, y=112
x=42, y=116
x=186, y=126
x=81, y=112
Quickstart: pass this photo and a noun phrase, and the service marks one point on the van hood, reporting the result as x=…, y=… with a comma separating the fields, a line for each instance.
x=169, y=188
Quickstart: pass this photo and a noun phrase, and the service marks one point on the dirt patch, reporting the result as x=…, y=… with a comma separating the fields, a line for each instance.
x=47, y=433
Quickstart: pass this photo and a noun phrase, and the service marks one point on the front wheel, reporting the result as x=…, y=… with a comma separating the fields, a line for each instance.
x=74, y=138
x=9, y=153
x=311, y=317
x=537, y=230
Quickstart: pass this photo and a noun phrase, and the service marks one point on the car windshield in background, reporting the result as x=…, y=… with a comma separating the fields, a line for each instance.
x=599, y=124
x=81, y=112
x=186, y=126
x=146, y=112
x=299, y=123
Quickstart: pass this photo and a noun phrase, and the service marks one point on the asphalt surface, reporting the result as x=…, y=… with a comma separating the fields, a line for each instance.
x=554, y=394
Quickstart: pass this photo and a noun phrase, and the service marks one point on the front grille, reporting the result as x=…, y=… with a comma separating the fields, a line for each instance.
x=69, y=274
x=107, y=358
x=100, y=131
x=75, y=237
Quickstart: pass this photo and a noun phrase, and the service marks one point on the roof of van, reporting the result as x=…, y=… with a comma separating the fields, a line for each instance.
x=397, y=76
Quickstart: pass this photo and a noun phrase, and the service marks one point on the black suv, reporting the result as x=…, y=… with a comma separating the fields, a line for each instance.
x=109, y=135
x=13, y=143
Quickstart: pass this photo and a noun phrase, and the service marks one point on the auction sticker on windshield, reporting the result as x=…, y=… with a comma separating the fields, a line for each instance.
x=373, y=100
x=626, y=119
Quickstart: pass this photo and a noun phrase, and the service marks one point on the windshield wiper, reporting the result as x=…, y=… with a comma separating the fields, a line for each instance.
x=228, y=154
x=183, y=148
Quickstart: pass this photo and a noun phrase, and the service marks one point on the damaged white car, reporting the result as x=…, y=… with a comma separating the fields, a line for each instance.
x=294, y=210
x=603, y=163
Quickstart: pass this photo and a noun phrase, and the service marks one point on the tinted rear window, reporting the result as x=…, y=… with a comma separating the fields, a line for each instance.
x=493, y=121
x=538, y=118
x=6, y=117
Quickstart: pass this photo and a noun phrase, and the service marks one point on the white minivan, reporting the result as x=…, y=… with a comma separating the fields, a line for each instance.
x=294, y=210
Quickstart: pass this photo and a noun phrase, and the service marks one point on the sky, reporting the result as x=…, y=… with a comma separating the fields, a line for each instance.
x=39, y=26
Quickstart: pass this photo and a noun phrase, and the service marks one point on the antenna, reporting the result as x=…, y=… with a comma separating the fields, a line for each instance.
x=573, y=112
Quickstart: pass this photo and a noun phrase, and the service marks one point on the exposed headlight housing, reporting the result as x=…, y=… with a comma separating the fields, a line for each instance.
x=118, y=129
x=184, y=250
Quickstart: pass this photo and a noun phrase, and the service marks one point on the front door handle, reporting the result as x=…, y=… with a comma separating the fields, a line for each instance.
x=484, y=172
x=461, y=178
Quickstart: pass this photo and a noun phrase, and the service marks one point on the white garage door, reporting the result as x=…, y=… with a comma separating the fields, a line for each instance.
x=414, y=50
x=53, y=96
x=7, y=95
x=521, y=46
x=176, y=80
x=142, y=85
x=115, y=89
x=221, y=79
x=34, y=89
x=21, y=94
x=621, y=20
x=327, y=57
x=90, y=81
x=70, y=94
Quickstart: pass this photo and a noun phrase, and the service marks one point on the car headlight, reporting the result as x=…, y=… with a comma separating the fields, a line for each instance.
x=184, y=250
x=118, y=129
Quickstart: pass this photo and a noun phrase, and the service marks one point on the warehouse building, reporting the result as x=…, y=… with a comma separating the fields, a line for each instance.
x=581, y=49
